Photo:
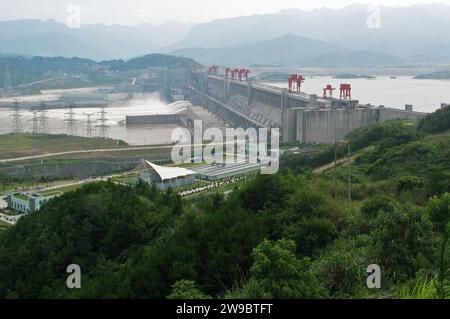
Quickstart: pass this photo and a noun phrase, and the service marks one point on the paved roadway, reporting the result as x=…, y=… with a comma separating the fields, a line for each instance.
x=25, y=158
x=138, y=148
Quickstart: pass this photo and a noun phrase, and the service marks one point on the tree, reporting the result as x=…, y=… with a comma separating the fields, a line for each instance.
x=342, y=269
x=277, y=273
x=402, y=239
x=186, y=289
x=438, y=210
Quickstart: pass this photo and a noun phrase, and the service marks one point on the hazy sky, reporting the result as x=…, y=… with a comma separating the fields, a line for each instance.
x=131, y=12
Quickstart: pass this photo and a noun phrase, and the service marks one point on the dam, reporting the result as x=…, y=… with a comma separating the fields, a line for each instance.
x=301, y=117
x=155, y=119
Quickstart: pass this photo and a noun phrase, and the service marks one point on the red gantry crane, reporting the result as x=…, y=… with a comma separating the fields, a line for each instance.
x=243, y=74
x=328, y=91
x=295, y=83
x=197, y=67
x=227, y=72
x=234, y=74
x=213, y=70
x=346, y=91
x=237, y=74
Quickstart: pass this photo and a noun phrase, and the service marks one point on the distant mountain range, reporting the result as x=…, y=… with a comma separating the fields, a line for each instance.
x=417, y=34
x=99, y=42
x=288, y=50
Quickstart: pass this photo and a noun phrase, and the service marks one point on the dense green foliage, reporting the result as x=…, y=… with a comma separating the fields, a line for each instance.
x=278, y=273
x=278, y=236
x=186, y=289
x=436, y=122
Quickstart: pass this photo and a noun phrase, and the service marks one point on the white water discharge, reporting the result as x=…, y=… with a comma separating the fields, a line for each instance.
x=135, y=135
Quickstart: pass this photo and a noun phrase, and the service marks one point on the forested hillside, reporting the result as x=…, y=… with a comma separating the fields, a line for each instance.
x=30, y=69
x=289, y=235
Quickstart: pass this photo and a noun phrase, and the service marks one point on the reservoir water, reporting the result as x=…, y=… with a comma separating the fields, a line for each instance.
x=424, y=95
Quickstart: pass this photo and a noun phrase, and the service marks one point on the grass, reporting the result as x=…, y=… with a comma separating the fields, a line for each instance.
x=224, y=188
x=12, y=186
x=22, y=197
x=9, y=212
x=21, y=145
x=126, y=179
x=4, y=225
x=50, y=193
x=153, y=153
x=422, y=290
x=6, y=188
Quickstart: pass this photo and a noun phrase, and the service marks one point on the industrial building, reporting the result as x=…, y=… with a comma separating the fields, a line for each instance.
x=28, y=203
x=216, y=172
x=166, y=177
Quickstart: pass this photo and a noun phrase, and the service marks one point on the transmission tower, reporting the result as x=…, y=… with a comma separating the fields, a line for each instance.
x=89, y=123
x=16, y=119
x=44, y=128
x=102, y=124
x=35, y=122
x=7, y=83
x=71, y=122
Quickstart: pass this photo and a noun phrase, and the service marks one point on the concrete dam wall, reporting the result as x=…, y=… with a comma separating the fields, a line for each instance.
x=299, y=116
x=155, y=119
x=324, y=126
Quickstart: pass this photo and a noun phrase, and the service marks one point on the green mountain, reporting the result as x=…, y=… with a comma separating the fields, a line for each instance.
x=30, y=69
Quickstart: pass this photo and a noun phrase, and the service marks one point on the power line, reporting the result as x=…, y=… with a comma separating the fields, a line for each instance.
x=35, y=122
x=16, y=125
x=89, y=123
x=71, y=122
x=44, y=128
x=7, y=83
x=103, y=126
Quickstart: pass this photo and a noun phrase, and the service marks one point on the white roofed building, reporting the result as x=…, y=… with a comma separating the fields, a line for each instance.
x=167, y=177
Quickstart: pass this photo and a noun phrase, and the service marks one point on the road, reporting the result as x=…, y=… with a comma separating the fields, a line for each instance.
x=125, y=149
x=339, y=162
x=10, y=219
x=25, y=158
x=74, y=183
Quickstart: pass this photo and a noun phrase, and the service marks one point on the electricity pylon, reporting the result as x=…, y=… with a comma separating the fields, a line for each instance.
x=71, y=122
x=103, y=126
x=89, y=123
x=35, y=122
x=44, y=128
x=16, y=125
